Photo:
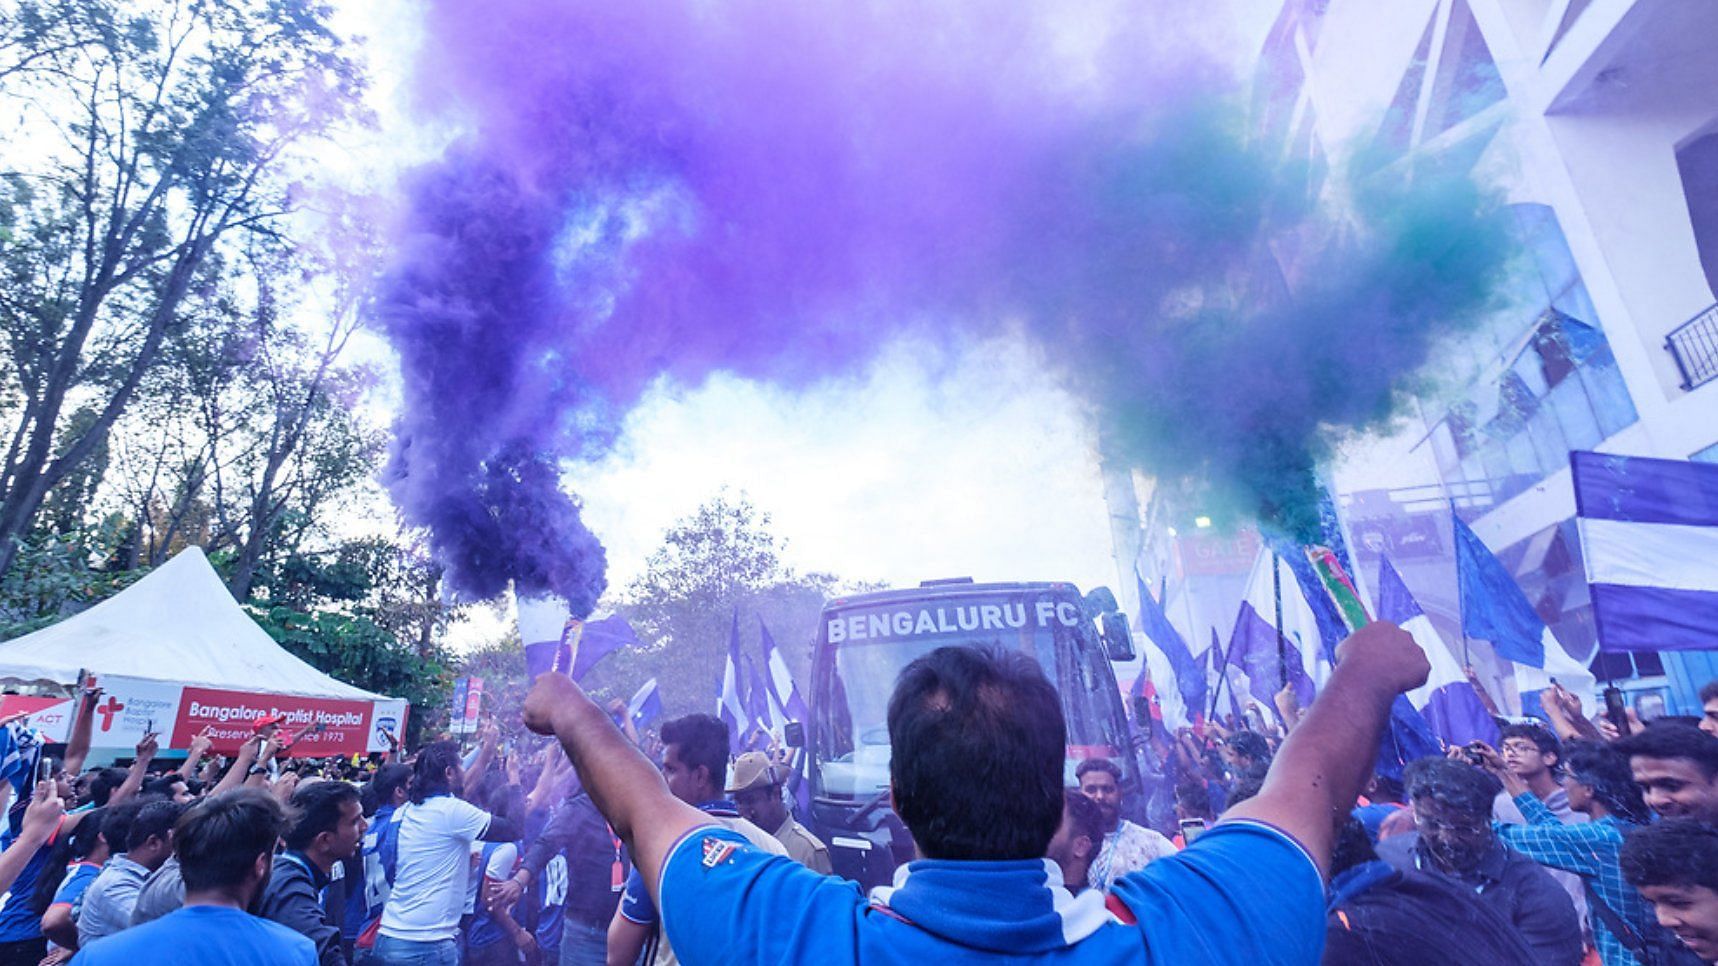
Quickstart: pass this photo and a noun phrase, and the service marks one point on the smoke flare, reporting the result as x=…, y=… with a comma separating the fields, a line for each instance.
x=668, y=188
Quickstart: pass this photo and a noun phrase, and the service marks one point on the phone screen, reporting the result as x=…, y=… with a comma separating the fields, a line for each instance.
x=1192, y=828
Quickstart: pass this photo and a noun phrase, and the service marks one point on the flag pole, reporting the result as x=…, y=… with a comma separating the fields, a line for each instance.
x=1222, y=676
x=1461, y=597
x=1282, y=643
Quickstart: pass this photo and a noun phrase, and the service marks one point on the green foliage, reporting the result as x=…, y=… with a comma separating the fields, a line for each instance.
x=369, y=613
x=57, y=574
x=358, y=651
x=720, y=561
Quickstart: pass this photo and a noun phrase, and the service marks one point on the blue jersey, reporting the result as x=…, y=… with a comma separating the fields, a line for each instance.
x=72, y=888
x=380, y=853
x=18, y=918
x=485, y=931
x=1243, y=893
x=205, y=935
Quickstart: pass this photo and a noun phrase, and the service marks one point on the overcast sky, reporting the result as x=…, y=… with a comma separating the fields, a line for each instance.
x=925, y=466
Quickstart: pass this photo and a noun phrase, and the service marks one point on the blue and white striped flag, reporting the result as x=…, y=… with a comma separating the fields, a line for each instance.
x=784, y=694
x=731, y=699
x=20, y=750
x=1649, y=538
x=1447, y=700
x=1494, y=609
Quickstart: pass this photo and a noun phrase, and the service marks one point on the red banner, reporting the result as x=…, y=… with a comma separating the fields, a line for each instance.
x=231, y=717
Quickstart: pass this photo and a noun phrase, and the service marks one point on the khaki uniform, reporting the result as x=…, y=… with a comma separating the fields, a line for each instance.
x=803, y=847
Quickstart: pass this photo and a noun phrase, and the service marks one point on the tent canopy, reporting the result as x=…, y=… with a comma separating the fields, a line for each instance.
x=177, y=624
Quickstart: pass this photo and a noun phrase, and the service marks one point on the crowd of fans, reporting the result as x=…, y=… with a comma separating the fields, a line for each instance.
x=1246, y=841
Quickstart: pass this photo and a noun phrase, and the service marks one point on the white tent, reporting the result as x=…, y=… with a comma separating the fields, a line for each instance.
x=178, y=624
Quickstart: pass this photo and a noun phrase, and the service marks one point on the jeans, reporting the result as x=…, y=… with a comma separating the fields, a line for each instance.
x=583, y=944
x=404, y=952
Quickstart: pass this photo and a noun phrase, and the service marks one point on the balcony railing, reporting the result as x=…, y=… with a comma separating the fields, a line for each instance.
x=1694, y=346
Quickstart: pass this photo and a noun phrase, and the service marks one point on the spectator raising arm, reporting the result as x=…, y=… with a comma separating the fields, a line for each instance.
x=200, y=745
x=139, y=767
x=1325, y=762
x=240, y=769
x=41, y=818
x=486, y=744
x=83, y=726
x=625, y=785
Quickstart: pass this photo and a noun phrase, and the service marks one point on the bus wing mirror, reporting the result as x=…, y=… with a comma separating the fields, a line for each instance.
x=1100, y=601
x=1117, y=637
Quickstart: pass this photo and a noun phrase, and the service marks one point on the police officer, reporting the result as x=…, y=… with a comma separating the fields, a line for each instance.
x=757, y=794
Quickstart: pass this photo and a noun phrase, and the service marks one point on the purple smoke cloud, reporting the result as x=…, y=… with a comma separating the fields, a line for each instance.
x=667, y=188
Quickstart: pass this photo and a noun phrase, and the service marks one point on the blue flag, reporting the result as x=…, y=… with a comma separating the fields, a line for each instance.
x=646, y=704
x=598, y=640
x=1189, y=677
x=1493, y=607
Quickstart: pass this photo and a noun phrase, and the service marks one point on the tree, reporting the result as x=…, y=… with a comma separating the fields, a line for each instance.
x=165, y=129
x=718, y=562
x=368, y=612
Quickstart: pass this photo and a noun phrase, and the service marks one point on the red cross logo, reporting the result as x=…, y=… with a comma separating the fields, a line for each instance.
x=108, y=711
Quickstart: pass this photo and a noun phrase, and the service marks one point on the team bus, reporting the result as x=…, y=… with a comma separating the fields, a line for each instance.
x=863, y=642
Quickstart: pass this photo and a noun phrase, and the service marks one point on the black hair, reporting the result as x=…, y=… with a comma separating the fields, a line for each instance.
x=1606, y=771
x=389, y=779
x=116, y=824
x=1709, y=691
x=1456, y=784
x=429, y=772
x=1674, y=852
x=1098, y=764
x=1352, y=847
x=1674, y=741
x=318, y=807
x=1249, y=782
x=965, y=724
x=1193, y=796
x=508, y=802
x=1542, y=739
x=104, y=784
x=1084, y=817
x=84, y=838
x=219, y=839
x=163, y=784
x=154, y=820
x=1249, y=744
x=1387, y=789
x=701, y=739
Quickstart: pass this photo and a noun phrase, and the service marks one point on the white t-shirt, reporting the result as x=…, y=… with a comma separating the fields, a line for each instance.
x=503, y=860
x=434, y=867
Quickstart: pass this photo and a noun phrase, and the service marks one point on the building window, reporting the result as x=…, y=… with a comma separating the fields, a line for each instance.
x=1627, y=665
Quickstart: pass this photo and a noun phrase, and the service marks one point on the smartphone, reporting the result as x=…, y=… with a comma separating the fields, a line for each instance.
x=1616, y=711
x=1191, y=829
x=45, y=769
x=793, y=734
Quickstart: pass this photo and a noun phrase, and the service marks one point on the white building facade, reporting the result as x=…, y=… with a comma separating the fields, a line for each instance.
x=1597, y=123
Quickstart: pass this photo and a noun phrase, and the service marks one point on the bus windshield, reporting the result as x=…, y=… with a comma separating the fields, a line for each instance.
x=867, y=646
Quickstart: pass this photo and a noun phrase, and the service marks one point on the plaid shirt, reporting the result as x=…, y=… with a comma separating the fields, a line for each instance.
x=1589, y=850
